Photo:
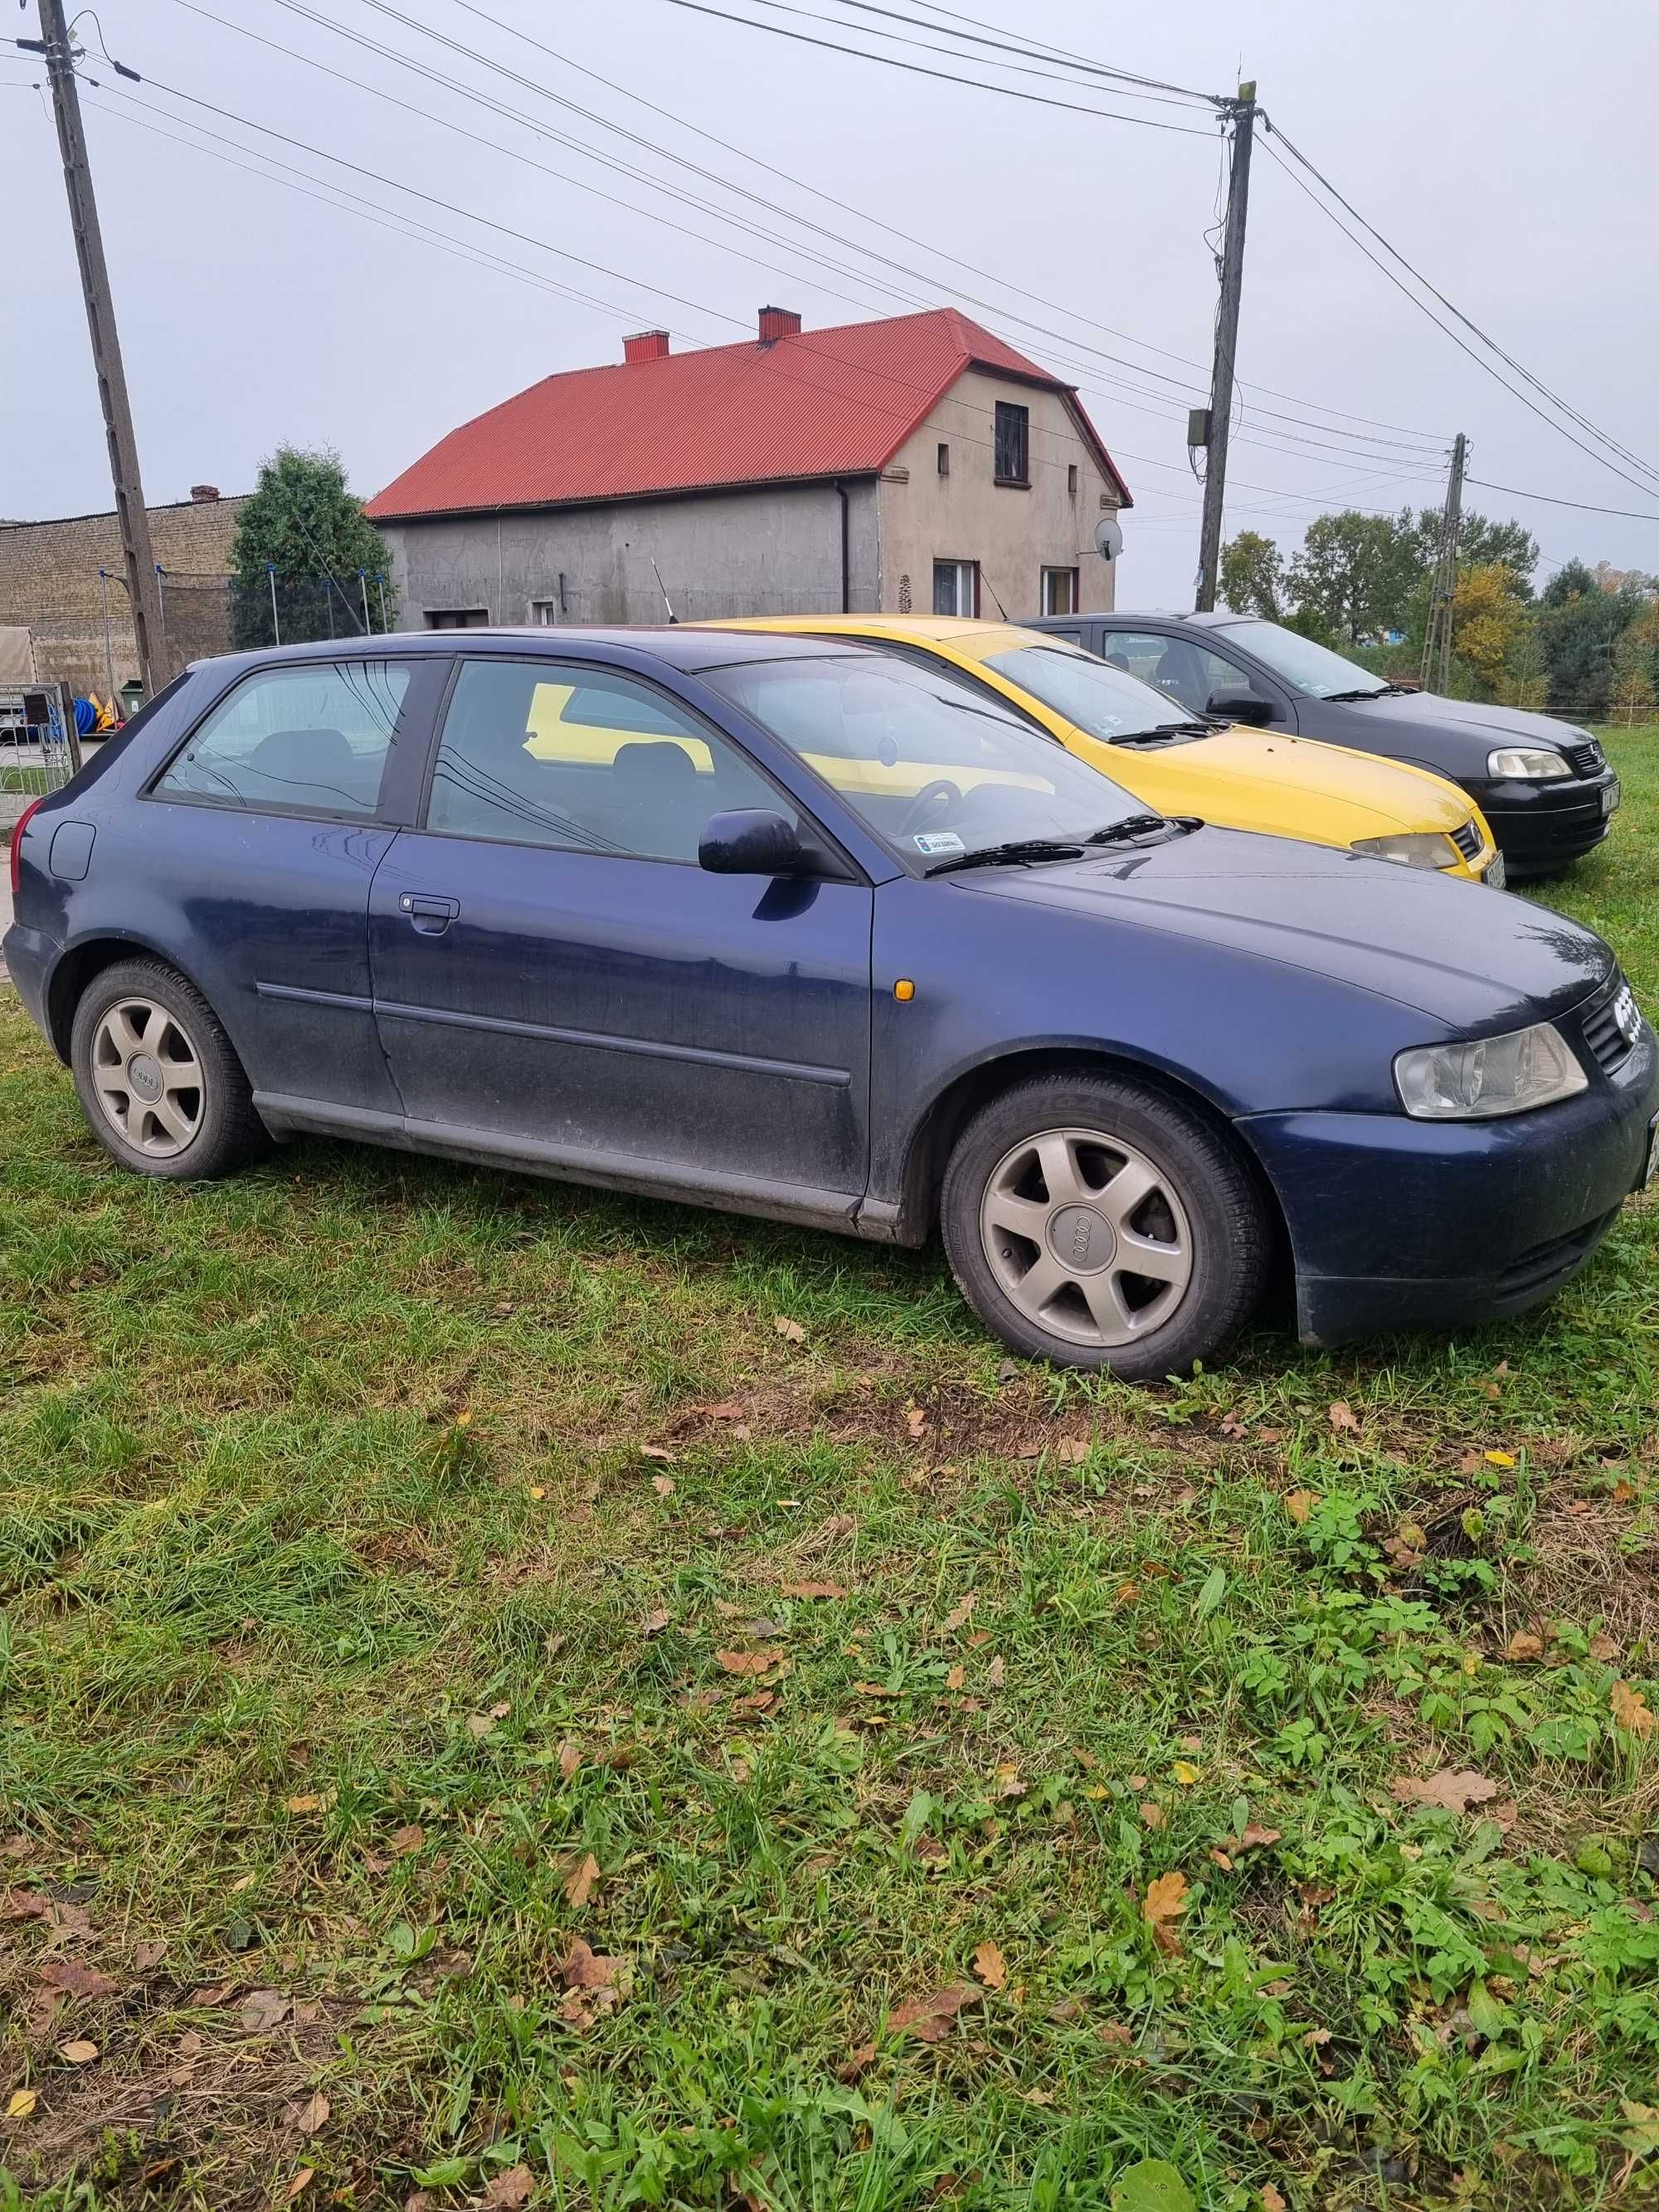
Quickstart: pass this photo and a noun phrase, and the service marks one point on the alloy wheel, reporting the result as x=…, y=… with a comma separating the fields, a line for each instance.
x=147, y=1076
x=1086, y=1237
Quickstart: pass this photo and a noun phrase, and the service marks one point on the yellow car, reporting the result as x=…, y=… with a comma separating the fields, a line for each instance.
x=1241, y=779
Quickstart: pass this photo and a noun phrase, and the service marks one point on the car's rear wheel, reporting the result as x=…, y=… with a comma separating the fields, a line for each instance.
x=1095, y=1222
x=158, y=1078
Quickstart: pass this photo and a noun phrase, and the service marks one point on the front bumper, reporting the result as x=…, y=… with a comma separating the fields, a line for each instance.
x=1403, y=1224
x=1540, y=826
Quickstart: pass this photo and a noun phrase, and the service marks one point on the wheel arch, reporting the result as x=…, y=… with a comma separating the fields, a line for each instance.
x=80, y=965
x=935, y=1135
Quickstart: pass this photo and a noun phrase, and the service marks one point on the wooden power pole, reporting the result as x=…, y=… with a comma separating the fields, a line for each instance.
x=1437, y=635
x=1243, y=112
x=144, y=585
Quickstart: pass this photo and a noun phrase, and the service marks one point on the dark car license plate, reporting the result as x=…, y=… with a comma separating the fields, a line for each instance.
x=1610, y=795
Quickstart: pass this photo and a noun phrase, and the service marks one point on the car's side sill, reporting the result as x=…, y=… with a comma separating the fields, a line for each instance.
x=844, y=1211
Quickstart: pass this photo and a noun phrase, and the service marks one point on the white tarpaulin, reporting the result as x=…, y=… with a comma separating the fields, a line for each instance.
x=16, y=656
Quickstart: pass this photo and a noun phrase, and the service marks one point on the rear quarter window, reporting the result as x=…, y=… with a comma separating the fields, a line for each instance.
x=312, y=737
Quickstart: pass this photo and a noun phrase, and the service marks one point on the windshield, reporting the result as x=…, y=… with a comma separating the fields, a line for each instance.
x=931, y=768
x=1304, y=665
x=1103, y=701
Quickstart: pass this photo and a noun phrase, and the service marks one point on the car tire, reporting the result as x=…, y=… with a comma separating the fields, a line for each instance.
x=158, y=1079
x=1045, y=1253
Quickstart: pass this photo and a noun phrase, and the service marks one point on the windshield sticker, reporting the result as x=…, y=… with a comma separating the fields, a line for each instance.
x=939, y=840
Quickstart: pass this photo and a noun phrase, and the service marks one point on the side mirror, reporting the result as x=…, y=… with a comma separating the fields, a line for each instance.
x=751, y=841
x=1240, y=704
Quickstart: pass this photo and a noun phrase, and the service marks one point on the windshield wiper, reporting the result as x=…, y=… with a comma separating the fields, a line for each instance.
x=1340, y=698
x=1019, y=848
x=1133, y=825
x=1181, y=729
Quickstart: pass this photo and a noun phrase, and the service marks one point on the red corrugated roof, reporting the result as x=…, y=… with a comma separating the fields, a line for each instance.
x=816, y=403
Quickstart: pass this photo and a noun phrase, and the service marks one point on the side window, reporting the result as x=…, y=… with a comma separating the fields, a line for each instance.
x=310, y=738
x=585, y=760
x=1186, y=671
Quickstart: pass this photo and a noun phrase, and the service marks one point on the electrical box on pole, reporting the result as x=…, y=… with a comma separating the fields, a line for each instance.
x=1243, y=112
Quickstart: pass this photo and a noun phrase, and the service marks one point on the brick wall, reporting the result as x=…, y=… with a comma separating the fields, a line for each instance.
x=49, y=585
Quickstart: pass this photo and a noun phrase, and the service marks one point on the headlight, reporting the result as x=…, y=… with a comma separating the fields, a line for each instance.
x=1413, y=849
x=1522, y=761
x=1492, y=1075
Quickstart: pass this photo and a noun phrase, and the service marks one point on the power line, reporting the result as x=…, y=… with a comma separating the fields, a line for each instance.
x=916, y=69
x=1423, y=309
x=1047, y=53
x=1515, y=491
x=568, y=62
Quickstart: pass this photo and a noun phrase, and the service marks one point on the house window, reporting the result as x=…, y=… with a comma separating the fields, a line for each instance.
x=945, y=461
x=956, y=587
x=457, y=617
x=1059, y=591
x=1070, y=481
x=1013, y=444
x=544, y=613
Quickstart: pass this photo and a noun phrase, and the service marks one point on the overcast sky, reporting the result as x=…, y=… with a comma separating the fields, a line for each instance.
x=1506, y=146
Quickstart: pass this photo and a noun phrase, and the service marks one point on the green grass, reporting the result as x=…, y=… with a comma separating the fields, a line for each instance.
x=344, y=1617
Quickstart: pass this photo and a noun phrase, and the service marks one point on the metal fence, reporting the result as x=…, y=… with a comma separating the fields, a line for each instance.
x=39, y=750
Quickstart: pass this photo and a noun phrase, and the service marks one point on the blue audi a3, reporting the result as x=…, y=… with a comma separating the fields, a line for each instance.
x=802, y=929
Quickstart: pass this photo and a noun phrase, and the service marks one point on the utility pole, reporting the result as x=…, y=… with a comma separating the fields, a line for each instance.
x=143, y=588
x=1437, y=635
x=1243, y=112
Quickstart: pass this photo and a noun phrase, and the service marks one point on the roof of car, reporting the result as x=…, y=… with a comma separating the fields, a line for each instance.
x=678, y=645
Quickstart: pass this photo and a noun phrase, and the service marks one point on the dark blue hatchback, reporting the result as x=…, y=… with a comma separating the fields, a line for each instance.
x=803, y=930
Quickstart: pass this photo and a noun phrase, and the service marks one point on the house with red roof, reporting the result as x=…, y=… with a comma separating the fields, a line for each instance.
x=917, y=464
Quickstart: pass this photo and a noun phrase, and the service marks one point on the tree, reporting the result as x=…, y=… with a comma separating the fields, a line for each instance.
x=302, y=521
x=1487, y=615
x=1480, y=544
x=1355, y=572
x=1253, y=576
x=1579, y=628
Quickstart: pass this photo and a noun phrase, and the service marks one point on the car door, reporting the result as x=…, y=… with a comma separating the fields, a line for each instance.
x=556, y=979
x=259, y=840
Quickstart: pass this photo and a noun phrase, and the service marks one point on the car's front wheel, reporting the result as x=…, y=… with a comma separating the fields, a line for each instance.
x=1095, y=1222
x=158, y=1078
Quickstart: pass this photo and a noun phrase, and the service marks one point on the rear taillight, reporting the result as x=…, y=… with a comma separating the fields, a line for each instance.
x=18, y=827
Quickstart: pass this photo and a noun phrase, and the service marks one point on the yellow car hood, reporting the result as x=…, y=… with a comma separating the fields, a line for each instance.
x=1292, y=787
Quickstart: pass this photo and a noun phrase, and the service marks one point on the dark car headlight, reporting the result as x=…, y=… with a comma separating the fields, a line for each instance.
x=1488, y=1076
x=1527, y=763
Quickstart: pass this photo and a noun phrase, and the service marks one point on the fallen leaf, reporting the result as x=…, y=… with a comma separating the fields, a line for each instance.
x=955, y=1678
x=729, y=1409
x=1036, y=2096
x=75, y=1980
x=874, y=1690
x=1232, y=1426
x=1009, y=1783
x=1254, y=1838
x=1184, y=1772
x=1522, y=1645
x=584, y=1969
x=926, y=2018
x=812, y=1590
x=21, y=2103
x=792, y=1329
x=78, y=2053
x=538, y=1491
x=915, y=1421
x=746, y=1662
x=310, y=2116
x=1115, y=2031
x=1342, y=1415
x=1630, y=1710
x=570, y=1757
x=263, y=2010
x=1457, y=1792
x=146, y=1957
x=1499, y=1458
x=962, y=1614
x=1152, y=2185
x=1071, y=1451
x=1151, y=1816
x=306, y=1804
x=302, y=2181
x=1221, y=1859
x=663, y=1485
x=578, y=1885
x=994, y=1672
x=507, y=2191
x=1271, y=2201
x=1603, y=1648
x=479, y=1725
x=990, y=1965
x=654, y=1623
x=1165, y=1898
x=855, y=2062
x=1300, y=1504
x=657, y=1452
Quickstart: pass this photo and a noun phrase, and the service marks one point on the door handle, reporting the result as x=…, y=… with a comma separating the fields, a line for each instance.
x=429, y=913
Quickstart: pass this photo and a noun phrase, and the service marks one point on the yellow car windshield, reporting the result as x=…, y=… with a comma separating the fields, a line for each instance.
x=933, y=767
x=1108, y=703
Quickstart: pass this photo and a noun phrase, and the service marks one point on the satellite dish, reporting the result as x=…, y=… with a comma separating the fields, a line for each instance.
x=1109, y=538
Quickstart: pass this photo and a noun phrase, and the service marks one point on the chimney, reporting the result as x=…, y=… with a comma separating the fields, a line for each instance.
x=778, y=323
x=203, y=493
x=646, y=345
